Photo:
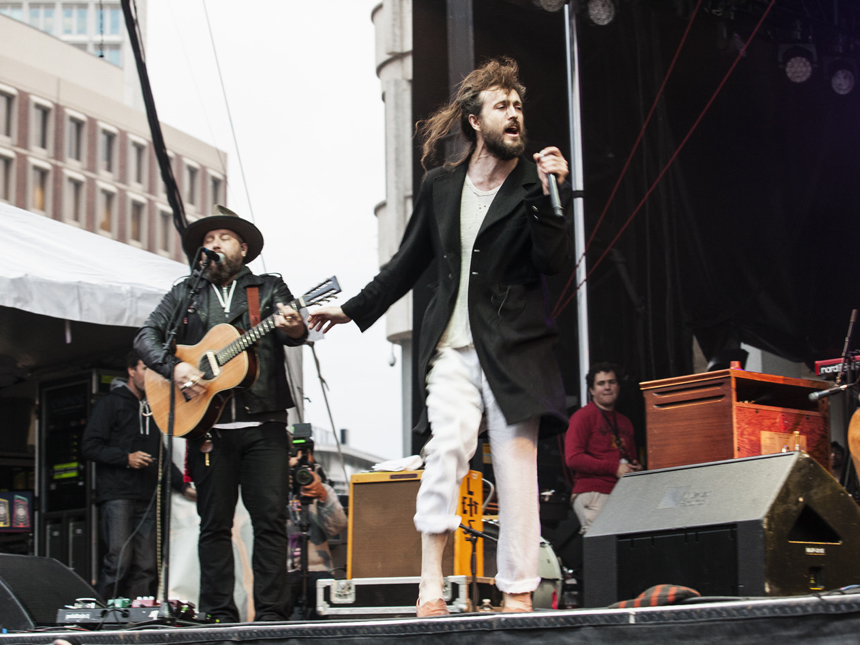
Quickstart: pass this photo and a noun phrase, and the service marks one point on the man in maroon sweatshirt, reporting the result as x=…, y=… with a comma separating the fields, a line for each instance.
x=599, y=445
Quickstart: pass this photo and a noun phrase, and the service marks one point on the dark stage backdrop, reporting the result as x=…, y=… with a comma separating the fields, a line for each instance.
x=749, y=235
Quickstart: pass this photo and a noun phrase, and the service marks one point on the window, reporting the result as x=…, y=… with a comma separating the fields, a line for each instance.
x=215, y=184
x=108, y=150
x=74, y=20
x=137, y=222
x=75, y=129
x=191, y=173
x=41, y=127
x=106, y=212
x=81, y=21
x=111, y=53
x=165, y=229
x=137, y=162
x=13, y=10
x=109, y=21
x=42, y=17
x=7, y=176
x=74, y=203
x=40, y=188
x=7, y=113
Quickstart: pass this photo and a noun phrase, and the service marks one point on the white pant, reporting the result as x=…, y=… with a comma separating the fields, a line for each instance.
x=458, y=397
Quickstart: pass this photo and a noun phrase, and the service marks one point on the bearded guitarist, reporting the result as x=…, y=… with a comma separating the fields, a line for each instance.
x=249, y=446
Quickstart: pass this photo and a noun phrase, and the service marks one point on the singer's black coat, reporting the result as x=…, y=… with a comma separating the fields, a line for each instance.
x=513, y=331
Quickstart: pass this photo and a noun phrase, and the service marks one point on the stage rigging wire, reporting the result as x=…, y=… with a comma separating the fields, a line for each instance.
x=232, y=129
x=560, y=306
x=580, y=259
x=221, y=154
x=290, y=380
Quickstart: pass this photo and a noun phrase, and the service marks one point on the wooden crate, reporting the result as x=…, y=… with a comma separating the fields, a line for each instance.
x=733, y=413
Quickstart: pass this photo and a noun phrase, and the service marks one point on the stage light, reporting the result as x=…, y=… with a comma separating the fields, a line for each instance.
x=843, y=76
x=550, y=5
x=798, y=69
x=601, y=12
x=798, y=62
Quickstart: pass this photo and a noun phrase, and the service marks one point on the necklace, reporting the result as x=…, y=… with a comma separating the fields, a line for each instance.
x=227, y=298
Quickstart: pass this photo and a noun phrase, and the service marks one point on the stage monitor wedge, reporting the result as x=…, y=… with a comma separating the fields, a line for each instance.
x=33, y=588
x=775, y=525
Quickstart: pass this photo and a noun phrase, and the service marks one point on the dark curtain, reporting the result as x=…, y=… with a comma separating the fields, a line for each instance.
x=748, y=237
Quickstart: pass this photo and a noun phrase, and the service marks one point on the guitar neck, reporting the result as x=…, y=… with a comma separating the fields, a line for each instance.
x=250, y=337
x=324, y=291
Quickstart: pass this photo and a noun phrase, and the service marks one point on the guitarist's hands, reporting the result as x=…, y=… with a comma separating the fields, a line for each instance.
x=325, y=318
x=290, y=321
x=185, y=374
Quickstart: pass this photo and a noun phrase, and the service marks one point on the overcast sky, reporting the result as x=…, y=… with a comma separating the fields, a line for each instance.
x=299, y=77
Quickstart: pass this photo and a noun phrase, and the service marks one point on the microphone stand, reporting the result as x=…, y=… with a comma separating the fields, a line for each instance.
x=845, y=347
x=472, y=535
x=168, y=349
x=304, y=527
x=845, y=369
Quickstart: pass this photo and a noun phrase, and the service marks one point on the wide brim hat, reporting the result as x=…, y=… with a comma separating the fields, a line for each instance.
x=222, y=217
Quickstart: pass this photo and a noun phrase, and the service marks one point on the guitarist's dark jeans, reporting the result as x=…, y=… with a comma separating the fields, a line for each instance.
x=258, y=460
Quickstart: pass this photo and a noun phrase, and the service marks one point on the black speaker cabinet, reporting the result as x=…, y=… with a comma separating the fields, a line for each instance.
x=776, y=525
x=33, y=588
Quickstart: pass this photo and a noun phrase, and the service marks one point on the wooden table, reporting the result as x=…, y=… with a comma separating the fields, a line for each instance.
x=733, y=413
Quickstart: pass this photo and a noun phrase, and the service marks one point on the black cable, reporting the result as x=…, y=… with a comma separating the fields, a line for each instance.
x=174, y=197
x=109, y=609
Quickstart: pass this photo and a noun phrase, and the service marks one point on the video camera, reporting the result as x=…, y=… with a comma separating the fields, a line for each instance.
x=302, y=473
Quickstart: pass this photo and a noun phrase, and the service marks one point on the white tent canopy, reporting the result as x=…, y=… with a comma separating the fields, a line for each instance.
x=54, y=269
x=70, y=299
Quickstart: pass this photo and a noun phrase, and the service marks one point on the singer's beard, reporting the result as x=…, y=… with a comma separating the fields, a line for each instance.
x=501, y=148
x=222, y=272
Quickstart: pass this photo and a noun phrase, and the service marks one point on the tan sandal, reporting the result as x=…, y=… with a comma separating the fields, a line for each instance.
x=432, y=608
x=516, y=603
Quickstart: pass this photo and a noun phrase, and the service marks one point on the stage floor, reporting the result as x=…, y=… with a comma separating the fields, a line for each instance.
x=830, y=619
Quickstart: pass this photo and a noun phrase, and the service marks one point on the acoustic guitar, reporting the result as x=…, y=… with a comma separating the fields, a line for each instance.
x=854, y=440
x=227, y=359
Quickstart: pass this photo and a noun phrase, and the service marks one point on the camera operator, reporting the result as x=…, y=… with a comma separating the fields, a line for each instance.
x=326, y=518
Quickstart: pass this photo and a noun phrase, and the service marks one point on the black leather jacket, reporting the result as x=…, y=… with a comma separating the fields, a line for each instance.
x=520, y=241
x=270, y=392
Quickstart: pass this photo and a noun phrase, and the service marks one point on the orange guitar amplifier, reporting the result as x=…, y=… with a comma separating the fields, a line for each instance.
x=383, y=541
x=732, y=413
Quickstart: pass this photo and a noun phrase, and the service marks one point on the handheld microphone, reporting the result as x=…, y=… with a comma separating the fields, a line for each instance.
x=213, y=256
x=554, y=198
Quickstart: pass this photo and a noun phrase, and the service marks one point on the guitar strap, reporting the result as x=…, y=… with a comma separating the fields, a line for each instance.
x=253, y=294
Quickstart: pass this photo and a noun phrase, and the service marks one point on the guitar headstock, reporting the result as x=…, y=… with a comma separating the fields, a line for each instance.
x=325, y=290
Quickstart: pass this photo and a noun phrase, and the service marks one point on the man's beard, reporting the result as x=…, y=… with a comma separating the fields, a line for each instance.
x=498, y=147
x=223, y=272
